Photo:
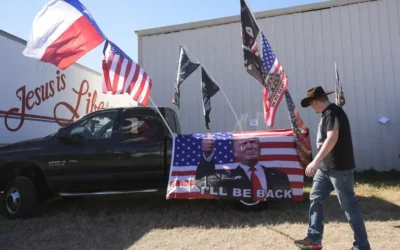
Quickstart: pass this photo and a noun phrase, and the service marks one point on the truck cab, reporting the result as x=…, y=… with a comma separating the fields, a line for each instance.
x=110, y=151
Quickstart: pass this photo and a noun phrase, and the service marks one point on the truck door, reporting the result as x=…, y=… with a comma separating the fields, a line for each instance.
x=137, y=156
x=84, y=167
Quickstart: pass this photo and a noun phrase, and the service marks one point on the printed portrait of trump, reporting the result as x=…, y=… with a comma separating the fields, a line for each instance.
x=243, y=172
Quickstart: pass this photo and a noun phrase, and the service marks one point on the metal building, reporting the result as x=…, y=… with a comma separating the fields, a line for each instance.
x=361, y=36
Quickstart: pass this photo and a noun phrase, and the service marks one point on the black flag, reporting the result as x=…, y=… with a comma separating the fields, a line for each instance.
x=209, y=88
x=250, y=31
x=185, y=68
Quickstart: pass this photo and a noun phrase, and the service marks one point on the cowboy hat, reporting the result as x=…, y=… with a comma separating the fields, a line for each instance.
x=313, y=94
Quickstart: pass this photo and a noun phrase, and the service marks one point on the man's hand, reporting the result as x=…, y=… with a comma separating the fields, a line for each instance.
x=207, y=145
x=312, y=168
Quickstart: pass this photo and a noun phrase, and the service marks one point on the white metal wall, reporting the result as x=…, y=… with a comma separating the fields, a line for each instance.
x=362, y=38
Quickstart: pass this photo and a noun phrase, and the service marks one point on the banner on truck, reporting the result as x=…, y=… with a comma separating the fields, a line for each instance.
x=247, y=166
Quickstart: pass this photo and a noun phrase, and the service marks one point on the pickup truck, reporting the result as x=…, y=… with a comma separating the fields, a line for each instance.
x=110, y=151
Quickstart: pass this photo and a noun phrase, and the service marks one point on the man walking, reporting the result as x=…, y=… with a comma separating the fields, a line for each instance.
x=333, y=169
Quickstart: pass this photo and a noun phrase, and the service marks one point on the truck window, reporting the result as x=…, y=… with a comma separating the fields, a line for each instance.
x=99, y=126
x=177, y=125
x=139, y=128
x=171, y=121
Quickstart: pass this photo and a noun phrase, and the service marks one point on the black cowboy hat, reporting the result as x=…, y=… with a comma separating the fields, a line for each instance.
x=313, y=94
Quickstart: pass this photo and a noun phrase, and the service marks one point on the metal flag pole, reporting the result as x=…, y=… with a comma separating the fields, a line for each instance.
x=162, y=117
x=230, y=105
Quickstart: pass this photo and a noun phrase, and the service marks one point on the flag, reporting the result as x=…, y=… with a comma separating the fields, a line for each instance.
x=209, y=88
x=276, y=82
x=185, y=68
x=250, y=31
x=300, y=132
x=339, y=90
x=122, y=75
x=62, y=32
x=278, y=152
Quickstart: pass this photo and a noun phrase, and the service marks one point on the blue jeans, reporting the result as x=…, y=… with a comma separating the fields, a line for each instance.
x=343, y=183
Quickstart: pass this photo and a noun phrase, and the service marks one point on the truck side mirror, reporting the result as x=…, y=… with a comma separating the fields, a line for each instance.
x=62, y=133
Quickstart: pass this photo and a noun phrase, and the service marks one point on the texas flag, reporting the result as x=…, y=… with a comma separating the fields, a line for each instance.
x=62, y=32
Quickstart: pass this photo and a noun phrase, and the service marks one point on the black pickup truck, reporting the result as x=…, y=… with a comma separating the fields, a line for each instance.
x=110, y=151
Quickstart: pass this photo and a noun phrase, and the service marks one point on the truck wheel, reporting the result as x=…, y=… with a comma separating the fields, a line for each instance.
x=251, y=206
x=20, y=198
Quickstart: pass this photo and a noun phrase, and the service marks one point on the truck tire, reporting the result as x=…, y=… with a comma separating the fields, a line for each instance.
x=19, y=198
x=250, y=206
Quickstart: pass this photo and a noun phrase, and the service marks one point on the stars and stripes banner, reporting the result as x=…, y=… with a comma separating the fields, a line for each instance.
x=300, y=132
x=208, y=88
x=122, y=75
x=247, y=166
x=275, y=81
x=185, y=68
x=250, y=31
x=339, y=99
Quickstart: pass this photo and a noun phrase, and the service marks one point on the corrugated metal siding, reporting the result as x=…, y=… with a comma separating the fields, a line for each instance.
x=361, y=38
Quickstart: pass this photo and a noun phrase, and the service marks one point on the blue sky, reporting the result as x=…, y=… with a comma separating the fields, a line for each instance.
x=120, y=19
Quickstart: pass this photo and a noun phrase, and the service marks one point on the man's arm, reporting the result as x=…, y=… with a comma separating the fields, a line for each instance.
x=332, y=123
x=327, y=146
x=206, y=175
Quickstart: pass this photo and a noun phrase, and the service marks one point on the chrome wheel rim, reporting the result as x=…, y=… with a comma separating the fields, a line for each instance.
x=12, y=200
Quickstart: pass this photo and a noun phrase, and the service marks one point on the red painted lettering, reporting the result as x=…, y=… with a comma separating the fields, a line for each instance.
x=90, y=104
x=34, y=98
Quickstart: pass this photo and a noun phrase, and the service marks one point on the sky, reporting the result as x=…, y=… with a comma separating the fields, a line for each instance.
x=120, y=20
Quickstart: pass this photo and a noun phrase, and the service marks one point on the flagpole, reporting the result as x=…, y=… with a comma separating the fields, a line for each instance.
x=230, y=105
x=162, y=117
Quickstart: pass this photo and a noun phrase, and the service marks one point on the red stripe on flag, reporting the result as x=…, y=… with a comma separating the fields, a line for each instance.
x=274, y=109
x=183, y=173
x=117, y=74
x=141, y=87
x=291, y=171
x=278, y=145
x=110, y=61
x=134, y=79
x=279, y=158
x=106, y=76
x=182, y=183
x=127, y=71
x=296, y=184
x=147, y=96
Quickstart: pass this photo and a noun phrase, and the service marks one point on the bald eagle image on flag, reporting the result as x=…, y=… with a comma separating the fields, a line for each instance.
x=248, y=166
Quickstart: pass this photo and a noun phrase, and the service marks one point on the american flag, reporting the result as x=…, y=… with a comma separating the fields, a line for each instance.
x=276, y=82
x=122, y=75
x=278, y=150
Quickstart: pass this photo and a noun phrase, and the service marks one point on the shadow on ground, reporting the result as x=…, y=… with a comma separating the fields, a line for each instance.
x=118, y=222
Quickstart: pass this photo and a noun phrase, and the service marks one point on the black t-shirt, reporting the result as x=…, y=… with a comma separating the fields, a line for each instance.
x=341, y=157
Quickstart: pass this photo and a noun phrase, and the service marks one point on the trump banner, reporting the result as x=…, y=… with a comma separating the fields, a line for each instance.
x=248, y=166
